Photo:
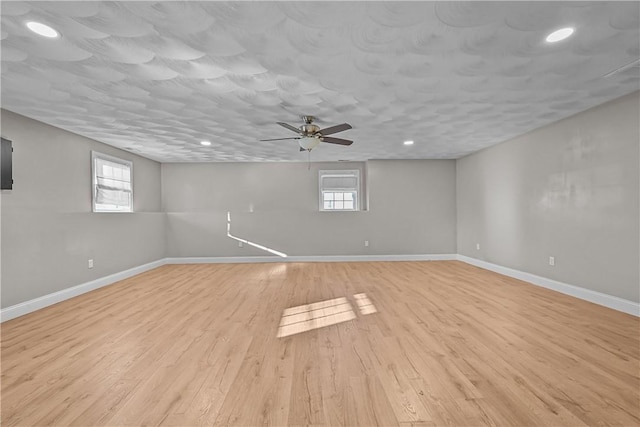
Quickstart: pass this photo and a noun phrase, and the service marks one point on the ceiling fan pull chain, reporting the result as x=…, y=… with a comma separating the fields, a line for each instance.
x=309, y=162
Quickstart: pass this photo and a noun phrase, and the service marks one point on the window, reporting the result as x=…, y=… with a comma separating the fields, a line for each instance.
x=339, y=190
x=112, y=186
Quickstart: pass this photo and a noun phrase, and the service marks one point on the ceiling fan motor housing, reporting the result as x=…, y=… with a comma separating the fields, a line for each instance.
x=309, y=129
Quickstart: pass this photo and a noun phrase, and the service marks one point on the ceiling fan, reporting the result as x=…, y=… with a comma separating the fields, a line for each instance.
x=310, y=134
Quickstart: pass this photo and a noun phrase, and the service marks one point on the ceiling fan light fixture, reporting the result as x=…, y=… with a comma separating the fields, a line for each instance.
x=42, y=29
x=559, y=35
x=309, y=142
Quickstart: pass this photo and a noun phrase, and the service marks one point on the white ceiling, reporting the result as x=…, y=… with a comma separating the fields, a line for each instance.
x=155, y=78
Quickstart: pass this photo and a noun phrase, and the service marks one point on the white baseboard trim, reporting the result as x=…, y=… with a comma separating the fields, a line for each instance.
x=610, y=301
x=595, y=297
x=46, y=300
x=311, y=258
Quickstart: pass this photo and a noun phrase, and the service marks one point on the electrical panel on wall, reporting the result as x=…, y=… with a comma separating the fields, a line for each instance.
x=6, y=164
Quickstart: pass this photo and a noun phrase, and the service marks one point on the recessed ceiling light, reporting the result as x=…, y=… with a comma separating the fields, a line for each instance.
x=207, y=143
x=408, y=143
x=42, y=29
x=560, y=34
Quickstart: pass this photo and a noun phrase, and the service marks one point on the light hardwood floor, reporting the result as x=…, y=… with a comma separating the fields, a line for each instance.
x=450, y=344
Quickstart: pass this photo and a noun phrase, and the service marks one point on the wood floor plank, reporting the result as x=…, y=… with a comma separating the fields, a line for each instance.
x=367, y=403
x=448, y=344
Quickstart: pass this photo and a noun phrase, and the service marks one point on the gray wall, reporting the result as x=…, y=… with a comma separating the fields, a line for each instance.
x=48, y=229
x=412, y=209
x=568, y=190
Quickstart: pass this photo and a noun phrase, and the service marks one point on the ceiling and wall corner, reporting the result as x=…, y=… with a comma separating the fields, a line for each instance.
x=156, y=78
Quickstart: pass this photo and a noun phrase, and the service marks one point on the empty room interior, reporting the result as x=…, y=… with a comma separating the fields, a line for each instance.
x=320, y=213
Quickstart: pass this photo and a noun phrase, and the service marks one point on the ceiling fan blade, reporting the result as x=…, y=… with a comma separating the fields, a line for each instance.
x=288, y=126
x=335, y=129
x=279, y=139
x=340, y=141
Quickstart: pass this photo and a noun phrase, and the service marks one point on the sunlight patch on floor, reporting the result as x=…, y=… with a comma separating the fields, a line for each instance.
x=364, y=304
x=307, y=317
x=316, y=315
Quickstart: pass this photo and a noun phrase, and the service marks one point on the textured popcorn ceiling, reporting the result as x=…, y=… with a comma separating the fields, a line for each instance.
x=155, y=78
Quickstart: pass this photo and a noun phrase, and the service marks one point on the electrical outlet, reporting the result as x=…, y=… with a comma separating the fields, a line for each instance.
x=90, y=263
x=477, y=246
x=240, y=244
x=366, y=243
x=552, y=260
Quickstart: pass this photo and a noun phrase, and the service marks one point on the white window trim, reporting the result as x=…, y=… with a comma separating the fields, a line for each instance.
x=339, y=172
x=97, y=155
